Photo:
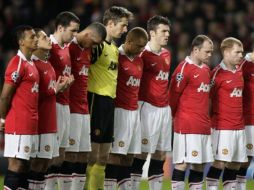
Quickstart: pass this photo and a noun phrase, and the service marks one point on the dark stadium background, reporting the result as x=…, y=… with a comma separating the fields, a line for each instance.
x=216, y=18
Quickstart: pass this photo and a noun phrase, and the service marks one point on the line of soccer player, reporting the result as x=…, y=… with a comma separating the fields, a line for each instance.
x=82, y=113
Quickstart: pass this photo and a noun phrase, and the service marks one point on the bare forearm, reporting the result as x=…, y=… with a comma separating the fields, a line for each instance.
x=4, y=106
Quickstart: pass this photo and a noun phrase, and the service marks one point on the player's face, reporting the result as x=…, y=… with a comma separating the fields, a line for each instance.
x=30, y=41
x=70, y=31
x=137, y=46
x=44, y=41
x=119, y=28
x=161, y=34
x=205, y=52
x=234, y=54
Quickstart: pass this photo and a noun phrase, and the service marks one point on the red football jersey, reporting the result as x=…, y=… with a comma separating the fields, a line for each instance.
x=189, y=98
x=80, y=63
x=226, y=95
x=248, y=92
x=61, y=62
x=47, y=96
x=154, y=82
x=128, y=81
x=22, y=117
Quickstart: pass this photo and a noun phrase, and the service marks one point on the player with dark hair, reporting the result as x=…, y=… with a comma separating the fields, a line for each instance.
x=19, y=110
x=66, y=27
x=155, y=112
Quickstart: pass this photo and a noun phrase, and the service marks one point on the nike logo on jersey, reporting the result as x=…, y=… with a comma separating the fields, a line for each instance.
x=228, y=81
x=30, y=74
x=105, y=54
x=196, y=76
x=45, y=72
x=78, y=59
x=153, y=64
x=127, y=68
x=61, y=58
x=252, y=74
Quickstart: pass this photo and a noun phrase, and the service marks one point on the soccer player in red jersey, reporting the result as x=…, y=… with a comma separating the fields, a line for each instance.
x=127, y=131
x=48, y=87
x=247, y=66
x=79, y=139
x=229, y=140
x=66, y=27
x=189, y=100
x=19, y=109
x=154, y=106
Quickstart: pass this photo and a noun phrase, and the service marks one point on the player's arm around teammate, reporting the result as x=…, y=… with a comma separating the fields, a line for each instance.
x=227, y=116
x=102, y=81
x=189, y=100
x=66, y=27
x=79, y=138
x=127, y=129
x=155, y=112
x=48, y=88
x=18, y=105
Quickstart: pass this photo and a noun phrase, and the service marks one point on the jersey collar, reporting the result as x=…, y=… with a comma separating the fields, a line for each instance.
x=22, y=56
x=122, y=52
x=54, y=41
x=223, y=66
x=148, y=48
x=188, y=59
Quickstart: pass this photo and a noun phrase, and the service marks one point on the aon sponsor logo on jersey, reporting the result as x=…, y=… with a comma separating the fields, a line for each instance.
x=83, y=71
x=35, y=88
x=162, y=76
x=204, y=87
x=133, y=81
x=52, y=84
x=236, y=93
x=67, y=70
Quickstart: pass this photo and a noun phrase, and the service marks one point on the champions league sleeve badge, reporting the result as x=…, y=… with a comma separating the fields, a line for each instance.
x=179, y=77
x=15, y=76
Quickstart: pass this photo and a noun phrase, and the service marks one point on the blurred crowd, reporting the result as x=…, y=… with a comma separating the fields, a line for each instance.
x=216, y=18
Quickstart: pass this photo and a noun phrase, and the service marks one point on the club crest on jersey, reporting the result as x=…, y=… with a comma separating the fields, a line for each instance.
x=236, y=93
x=204, y=87
x=35, y=88
x=67, y=70
x=179, y=77
x=83, y=71
x=162, y=76
x=133, y=81
x=15, y=76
